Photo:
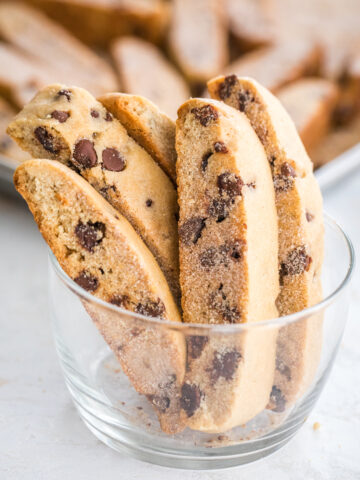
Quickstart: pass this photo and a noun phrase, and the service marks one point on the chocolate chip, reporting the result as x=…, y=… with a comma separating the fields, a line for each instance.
x=220, y=147
x=244, y=98
x=219, y=303
x=283, y=183
x=149, y=202
x=224, y=365
x=230, y=314
x=162, y=403
x=90, y=234
x=190, y=398
x=46, y=140
x=219, y=207
x=309, y=216
x=108, y=117
x=195, y=345
x=297, y=262
x=205, y=160
x=84, y=154
x=220, y=255
x=65, y=93
x=191, y=230
x=120, y=300
x=277, y=399
x=104, y=191
x=208, y=258
x=113, y=160
x=283, y=368
x=150, y=308
x=230, y=184
x=94, y=113
x=225, y=87
x=205, y=114
x=60, y=116
x=87, y=281
x=272, y=160
x=287, y=170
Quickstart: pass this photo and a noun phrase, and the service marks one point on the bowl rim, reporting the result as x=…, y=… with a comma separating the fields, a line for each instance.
x=223, y=328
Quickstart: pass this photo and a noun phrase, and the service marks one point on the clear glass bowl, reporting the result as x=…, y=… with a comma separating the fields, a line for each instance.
x=233, y=364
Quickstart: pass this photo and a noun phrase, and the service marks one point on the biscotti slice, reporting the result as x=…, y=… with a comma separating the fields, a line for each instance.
x=32, y=32
x=228, y=263
x=198, y=38
x=69, y=125
x=278, y=64
x=250, y=22
x=299, y=209
x=100, y=21
x=148, y=125
x=310, y=102
x=98, y=248
x=7, y=146
x=144, y=70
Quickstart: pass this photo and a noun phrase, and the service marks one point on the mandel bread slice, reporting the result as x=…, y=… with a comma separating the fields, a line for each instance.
x=99, y=249
x=147, y=125
x=67, y=124
x=300, y=219
x=228, y=264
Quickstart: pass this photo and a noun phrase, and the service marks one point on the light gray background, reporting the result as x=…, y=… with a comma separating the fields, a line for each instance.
x=41, y=435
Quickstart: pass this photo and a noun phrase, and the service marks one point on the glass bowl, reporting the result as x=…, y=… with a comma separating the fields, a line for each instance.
x=222, y=406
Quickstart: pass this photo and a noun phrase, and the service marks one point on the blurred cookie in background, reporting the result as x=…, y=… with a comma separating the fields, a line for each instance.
x=49, y=44
x=279, y=64
x=97, y=22
x=250, y=22
x=144, y=70
x=198, y=39
x=310, y=103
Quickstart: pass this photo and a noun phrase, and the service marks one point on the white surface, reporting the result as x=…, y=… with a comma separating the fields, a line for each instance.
x=41, y=435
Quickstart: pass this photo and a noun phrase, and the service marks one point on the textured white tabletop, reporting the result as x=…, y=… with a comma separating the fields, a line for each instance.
x=41, y=435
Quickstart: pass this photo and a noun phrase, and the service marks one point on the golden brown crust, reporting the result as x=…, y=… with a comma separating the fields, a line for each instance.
x=69, y=125
x=299, y=209
x=99, y=250
x=147, y=125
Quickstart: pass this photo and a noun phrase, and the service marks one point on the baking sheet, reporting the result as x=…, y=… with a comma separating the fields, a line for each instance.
x=327, y=175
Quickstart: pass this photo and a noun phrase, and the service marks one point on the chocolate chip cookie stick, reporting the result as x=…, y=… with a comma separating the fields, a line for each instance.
x=98, y=248
x=299, y=211
x=148, y=125
x=69, y=125
x=228, y=263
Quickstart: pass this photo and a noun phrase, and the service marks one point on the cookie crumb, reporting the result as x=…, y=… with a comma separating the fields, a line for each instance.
x=316, y=426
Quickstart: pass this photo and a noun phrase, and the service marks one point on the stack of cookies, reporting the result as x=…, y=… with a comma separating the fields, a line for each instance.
x=216, y=219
